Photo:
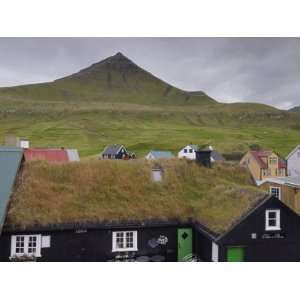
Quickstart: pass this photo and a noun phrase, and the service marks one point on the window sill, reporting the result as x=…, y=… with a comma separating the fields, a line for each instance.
x=273, y=229
x=125, y=250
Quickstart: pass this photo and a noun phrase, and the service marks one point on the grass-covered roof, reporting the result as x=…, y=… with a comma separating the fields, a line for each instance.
x=108, y=190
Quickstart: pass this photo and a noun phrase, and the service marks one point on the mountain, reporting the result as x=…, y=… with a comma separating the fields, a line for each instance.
x=115, y=101
x=295, y=109
x=115, y=79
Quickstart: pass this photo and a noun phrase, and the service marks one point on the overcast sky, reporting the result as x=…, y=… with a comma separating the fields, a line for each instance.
x=263, y=70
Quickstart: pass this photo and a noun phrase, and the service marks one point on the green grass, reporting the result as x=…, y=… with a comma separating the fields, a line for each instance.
x=108, y=190
x=142, y=128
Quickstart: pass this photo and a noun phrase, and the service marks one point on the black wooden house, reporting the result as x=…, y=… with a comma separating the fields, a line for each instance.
x=116, y=151
x=86, y=214
x=269, y=231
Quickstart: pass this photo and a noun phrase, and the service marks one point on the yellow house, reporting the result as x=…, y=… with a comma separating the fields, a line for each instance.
x=286, y=189
x=264, y=164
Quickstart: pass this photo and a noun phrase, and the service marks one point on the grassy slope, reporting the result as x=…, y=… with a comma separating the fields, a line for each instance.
x=115, y=101
x=123, y=190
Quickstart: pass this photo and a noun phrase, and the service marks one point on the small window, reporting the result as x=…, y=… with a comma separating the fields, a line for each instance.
x=266, y=172
x=191, y=150
x=273, y=160
x=281, y=172
x=157, y=175
x=298, y=154
x=185, y=150
x=124, y=241
x=272, y=219
x=26, y=245
x=275, y=191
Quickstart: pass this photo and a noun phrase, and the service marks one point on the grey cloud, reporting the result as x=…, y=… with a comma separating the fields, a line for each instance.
x=229, y=69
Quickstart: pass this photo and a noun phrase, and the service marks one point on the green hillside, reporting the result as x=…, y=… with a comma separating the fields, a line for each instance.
x=115, y=101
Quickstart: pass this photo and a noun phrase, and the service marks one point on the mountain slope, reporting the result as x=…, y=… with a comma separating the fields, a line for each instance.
x=295, y=109
x=115, y=101
x=115, y=79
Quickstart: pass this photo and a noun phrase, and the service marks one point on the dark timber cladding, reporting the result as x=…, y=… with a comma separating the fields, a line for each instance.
x=155, y=242
x=270, y=232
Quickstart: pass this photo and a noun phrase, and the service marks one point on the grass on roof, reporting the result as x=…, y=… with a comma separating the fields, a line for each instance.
x=112, y=190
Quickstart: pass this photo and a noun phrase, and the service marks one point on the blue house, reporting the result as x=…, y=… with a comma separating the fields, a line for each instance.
x=154, y=154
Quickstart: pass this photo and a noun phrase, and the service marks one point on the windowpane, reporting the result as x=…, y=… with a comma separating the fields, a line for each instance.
x=272, y=215
x=124, y=240
x=272, y=222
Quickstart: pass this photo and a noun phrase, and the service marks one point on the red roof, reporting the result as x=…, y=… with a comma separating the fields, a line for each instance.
x=50, y=155
x=260, y=154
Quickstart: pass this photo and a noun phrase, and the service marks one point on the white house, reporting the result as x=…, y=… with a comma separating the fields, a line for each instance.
x=188, y=152
x=293, y=162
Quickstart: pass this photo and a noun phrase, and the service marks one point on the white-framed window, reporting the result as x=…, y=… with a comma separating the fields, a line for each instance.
x=275, y=191
x=272, y=219
x=266, y=172
x=26, y=245
x=281, y=172
x=185, y=150
x=273, y=160
x=124, y=241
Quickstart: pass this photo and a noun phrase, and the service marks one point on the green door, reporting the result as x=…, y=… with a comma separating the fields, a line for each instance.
x=235, y=254
x=185, y=244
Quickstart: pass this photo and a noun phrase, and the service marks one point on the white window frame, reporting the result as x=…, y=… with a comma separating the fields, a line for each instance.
x=115, y=247
x=37, y=252
x=277, y=218
x=279, y=191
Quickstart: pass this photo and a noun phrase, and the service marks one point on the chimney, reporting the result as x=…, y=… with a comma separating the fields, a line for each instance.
x=203, y=158
x=23, y=143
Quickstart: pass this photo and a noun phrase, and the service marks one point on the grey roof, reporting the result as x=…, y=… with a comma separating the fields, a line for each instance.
x=289, y=180
x=161, y=154
x=112, y=149
x=217, y=156
x=10, y=161
x=194, y=147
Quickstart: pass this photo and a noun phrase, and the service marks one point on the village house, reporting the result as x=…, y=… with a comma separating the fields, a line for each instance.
x=102, y=222
x=286, y=189
x=155, y=154
x=293, y=162
x=188, y=152
x=264, y=164
x=14, y=141
x=116, y=151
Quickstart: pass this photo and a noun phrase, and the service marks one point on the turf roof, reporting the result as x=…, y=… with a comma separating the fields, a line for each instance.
x=114, y=190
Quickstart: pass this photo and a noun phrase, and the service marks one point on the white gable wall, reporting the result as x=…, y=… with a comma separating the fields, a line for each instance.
x=149, y=156
x=187, y=152
x=293, y=163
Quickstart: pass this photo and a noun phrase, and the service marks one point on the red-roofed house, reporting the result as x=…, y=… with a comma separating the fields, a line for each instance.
x=50, y=155
x=264, y=164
